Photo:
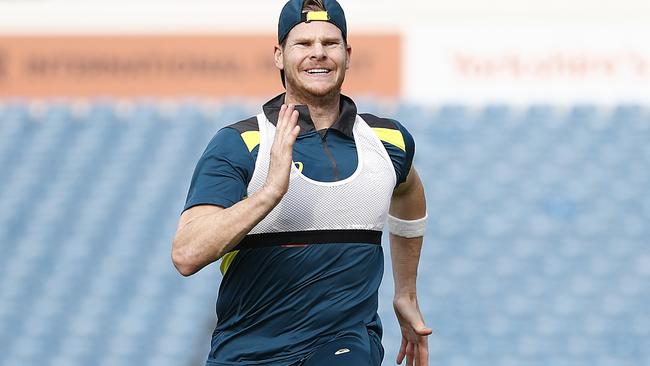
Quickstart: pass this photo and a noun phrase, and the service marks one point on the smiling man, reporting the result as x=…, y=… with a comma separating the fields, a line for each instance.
x=293, y=201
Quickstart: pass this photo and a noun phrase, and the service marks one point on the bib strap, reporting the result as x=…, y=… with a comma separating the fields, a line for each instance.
x=310, y=237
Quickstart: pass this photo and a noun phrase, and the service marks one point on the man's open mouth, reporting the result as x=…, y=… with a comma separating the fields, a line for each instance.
x=317, y=71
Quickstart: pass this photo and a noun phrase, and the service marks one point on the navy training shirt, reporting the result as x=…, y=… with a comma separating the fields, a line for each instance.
x=276, y=304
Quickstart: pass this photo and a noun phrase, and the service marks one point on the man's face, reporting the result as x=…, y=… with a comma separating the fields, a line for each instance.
x=314, y=59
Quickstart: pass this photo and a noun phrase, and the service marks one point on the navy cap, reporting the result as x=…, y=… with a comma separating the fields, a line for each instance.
x=292, y=15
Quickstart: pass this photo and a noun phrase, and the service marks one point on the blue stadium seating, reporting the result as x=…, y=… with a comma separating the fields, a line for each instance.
x=537, y=252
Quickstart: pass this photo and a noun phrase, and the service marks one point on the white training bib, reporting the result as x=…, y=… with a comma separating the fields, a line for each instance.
x=359, y=202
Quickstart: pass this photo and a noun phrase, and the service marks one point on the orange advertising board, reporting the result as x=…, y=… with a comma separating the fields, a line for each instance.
x=170, y=66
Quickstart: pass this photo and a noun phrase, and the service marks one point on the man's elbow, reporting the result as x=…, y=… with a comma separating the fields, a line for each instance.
x=183, y=262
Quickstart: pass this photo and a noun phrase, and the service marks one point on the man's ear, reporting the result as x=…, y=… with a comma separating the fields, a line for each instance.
x=279, y=63
x=348, y=49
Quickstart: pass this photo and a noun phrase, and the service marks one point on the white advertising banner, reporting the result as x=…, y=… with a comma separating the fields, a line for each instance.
x=527, y=64
x=466, y=51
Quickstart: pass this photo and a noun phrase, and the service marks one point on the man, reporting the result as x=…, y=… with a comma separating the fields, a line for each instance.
x=293, y=201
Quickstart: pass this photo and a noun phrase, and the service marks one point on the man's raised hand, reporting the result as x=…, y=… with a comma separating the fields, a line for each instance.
x=287, y=129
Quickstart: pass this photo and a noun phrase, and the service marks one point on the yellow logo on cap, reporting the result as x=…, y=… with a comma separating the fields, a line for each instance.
x=317, y=15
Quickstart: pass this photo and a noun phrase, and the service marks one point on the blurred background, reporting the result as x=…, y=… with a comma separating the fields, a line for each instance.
x=532, y=125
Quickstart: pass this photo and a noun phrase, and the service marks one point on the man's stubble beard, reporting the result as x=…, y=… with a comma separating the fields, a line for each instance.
x=305, y=92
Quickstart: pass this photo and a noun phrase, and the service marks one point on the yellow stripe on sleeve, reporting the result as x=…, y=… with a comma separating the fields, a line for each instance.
x=251, y=139
x=226, y=260
x=393, y=137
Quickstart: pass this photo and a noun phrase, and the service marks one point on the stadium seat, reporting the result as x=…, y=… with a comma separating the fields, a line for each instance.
x=536, y=251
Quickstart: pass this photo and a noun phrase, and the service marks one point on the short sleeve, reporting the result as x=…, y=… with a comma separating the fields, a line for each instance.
x=222, y=173
x=402, y=159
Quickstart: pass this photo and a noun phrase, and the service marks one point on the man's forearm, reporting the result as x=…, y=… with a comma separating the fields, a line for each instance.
x=408, y=203
x=206, y=238
x=405, y=256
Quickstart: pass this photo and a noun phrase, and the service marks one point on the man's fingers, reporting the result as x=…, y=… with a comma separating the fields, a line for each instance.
x=292, y=131
x=416, y=359
x=287, y=120
x=287, y=129
x=294, y=134
x=288, y=117
x=409, y=354
x=283, y=110
x=423, y=331
x=285, y=113
x=423, y=352
x=294, y=116
x=293, y=120
x=402, y=351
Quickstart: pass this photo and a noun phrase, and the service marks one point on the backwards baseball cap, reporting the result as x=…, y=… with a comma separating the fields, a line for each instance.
x=292, y=15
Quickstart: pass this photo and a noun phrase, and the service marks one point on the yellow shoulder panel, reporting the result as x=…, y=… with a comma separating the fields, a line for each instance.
x=251, y=139
x=226, y=260
x=393, y=137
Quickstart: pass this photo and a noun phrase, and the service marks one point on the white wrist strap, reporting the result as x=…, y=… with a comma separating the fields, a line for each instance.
x=407, y=228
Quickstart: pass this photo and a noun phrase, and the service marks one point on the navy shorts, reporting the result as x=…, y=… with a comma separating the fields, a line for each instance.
x=357, y=346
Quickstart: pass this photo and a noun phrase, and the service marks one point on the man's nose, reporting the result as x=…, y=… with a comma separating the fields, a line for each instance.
x=318, y=51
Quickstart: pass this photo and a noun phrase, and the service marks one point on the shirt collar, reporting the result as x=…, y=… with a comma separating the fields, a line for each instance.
x=344, y=124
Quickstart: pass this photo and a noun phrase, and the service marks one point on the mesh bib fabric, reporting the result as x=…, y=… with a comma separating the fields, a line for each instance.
x=359, y=202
